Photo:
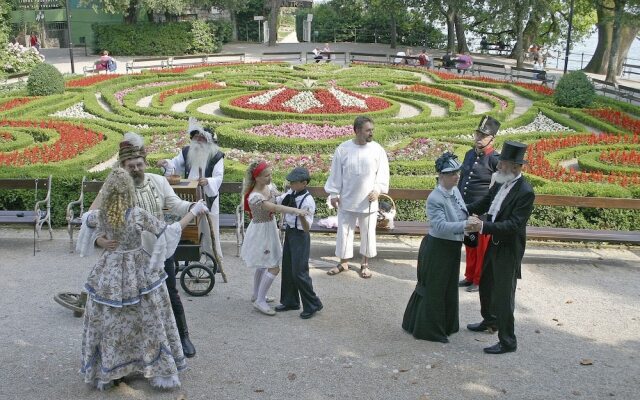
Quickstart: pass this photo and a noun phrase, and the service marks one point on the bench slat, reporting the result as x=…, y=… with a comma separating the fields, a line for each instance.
x=23, y=183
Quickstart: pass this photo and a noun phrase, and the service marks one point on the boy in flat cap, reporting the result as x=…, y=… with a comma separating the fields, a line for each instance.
x=296, y=282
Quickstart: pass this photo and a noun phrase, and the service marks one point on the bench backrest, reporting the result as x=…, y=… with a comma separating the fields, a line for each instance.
x=40, y=183
x=629, y=88
x=149, y=59
x=355, y=55
x=490, y=65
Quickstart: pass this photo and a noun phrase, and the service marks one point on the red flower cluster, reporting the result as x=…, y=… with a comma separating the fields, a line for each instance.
x=181, y=69
x=456, y=99
x=5, y=137
x=8, y=105
x=207, y=85
x=621, y=157
x=617, y=118
x=74, y=139
x=90, y=80
x=539, y=165
x=330, y=105
x=529, y=86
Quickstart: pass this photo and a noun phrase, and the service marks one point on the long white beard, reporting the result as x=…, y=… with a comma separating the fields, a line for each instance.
x=501, y=177
x=200, y=154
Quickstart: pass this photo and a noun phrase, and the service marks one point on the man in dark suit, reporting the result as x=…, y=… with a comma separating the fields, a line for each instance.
x=508, y=206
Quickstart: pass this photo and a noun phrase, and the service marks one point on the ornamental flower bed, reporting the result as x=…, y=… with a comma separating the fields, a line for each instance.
x=302, y=130
x=207, y=85
x=90, y=80
x=320, y=101
x=617, y=118
x=535, y=87
x=418, y=149
x=539, y=165
x=75, y=111
x=8, y=105
x=120, y=95
x=5, y=137
x=171, y=142
x=282, y=162
x=367, y=84
x=74, y=139
x=456, y=99
x=621, y=157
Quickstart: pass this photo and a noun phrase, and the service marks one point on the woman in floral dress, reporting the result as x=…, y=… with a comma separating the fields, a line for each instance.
x=128, y=323
x=261, y=248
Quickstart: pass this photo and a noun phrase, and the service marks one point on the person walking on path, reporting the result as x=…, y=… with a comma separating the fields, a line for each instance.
x=153, y=194
x=508, y=206
x=477, y=169
x=296, y=282
x=261, y=247
x=359, y=173
x=432, y=311
x=128, y=323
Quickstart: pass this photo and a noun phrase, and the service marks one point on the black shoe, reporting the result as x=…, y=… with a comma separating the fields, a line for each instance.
x=473, y=288
x=309, y=314
x=187, y=347
x=282, y=307
x=464, y=283
x=481, y=327
x=498, y=348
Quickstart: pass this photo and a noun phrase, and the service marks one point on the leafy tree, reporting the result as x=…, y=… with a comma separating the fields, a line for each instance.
x=4, y=30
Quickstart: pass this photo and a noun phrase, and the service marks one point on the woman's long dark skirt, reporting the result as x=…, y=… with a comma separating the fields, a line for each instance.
x=432, y=312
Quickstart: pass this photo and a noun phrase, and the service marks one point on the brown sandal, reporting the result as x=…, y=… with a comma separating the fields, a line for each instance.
x=337, y=269
x=363, y=274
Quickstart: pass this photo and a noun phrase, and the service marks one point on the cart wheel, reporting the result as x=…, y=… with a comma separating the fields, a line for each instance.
x=197, y=279
x=208, y=260
x=73, y=301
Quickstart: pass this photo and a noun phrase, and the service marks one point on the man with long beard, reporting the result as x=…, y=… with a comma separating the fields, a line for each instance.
x=203, y=154
x=153, y=193
x=508, y=205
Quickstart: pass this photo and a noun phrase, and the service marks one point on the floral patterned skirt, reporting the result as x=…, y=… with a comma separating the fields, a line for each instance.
x=140, y=338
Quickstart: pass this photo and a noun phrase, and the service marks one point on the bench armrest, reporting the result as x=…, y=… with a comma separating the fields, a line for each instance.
x=70, y=206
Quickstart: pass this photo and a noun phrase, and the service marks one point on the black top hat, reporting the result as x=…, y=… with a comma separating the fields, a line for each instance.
x=514, y=152
x=488, y=126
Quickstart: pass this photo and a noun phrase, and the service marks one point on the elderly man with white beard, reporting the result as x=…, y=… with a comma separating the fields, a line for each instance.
x=203, y=154
x=508, y=206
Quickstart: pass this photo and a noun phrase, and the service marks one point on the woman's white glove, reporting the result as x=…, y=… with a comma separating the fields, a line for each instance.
x=199, y=208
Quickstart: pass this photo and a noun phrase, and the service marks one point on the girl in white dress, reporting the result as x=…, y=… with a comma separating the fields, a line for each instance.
x=261, y=248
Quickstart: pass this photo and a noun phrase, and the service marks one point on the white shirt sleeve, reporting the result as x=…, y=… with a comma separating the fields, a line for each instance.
x=177, y=164
x=381, y=184
x=213, y=188
x=333, y=186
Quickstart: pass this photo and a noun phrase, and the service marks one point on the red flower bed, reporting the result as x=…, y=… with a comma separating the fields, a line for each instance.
x=539, y=165
x=180, y=69
x=529, y=86
x=191, y=88
x=621, y=157
x=456, y=99
x=330, y=104
x=90, y=80
x=617, y=118
x=5, y=137
x=74, y=139
x=8, y=105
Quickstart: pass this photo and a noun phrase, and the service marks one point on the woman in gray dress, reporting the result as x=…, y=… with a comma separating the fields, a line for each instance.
x=432, y=312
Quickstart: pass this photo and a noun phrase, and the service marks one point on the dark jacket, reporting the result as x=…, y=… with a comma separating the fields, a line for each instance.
x=475, y=174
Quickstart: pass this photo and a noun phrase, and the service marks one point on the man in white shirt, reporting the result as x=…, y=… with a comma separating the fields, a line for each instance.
x=359, y=173
x=202, y=155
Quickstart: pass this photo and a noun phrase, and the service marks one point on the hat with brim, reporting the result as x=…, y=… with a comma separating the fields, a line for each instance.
x=488, y=126
x=447, y=163
x=514, y=152
x=132, y=146
x=298, y=174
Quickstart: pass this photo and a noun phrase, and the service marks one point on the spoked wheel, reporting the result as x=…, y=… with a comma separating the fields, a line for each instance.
x=73, y=301
x=197, y=279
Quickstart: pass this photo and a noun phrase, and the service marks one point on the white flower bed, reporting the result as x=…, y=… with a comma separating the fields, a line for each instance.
x=541, y=123
x=347, y=100
x=75, y=111
x=265, y=97
x=302, y=102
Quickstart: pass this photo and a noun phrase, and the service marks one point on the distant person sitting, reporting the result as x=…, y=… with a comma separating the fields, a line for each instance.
x=106, y=63
x=399, y=58
x=464, y=62
x=423, y=59
x=317, y=55
x=484, y=45
x=448, y=60
x=326, y=51
x=501, y=45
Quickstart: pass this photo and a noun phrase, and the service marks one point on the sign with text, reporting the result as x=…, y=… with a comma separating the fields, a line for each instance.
x=258, y=18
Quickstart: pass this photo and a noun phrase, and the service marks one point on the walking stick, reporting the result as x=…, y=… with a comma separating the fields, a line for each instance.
x=201, y=196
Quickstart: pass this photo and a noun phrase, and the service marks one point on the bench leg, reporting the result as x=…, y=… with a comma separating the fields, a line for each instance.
x=70, y=232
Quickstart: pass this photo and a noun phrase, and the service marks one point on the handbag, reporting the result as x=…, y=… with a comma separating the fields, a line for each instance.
x=471, y=239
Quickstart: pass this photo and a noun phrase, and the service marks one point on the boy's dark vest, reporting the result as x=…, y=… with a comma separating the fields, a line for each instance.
x=207, y=172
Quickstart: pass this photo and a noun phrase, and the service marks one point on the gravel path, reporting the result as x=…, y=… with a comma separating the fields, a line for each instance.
x=182, y=106
x=574, y=305
x=145, y=102
x=522, y=104
x=211, y=109
x=103, y=103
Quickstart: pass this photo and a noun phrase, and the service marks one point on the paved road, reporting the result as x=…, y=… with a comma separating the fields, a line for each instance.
x=573, y=304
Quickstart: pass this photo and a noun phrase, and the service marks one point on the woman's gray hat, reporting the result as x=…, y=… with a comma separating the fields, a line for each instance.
x=298, y=174
x=447, y=163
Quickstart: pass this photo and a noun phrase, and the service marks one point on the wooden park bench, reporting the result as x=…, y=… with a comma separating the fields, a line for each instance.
x=605, y=87
x=404, y=60
x=630, y=69
x=281, y=56
x=36, y=217
x=532, y=75
x=147, y=63
x=629, y=93
x=419, y=228
x=481, y=67
x=372, y=58
x=332, y=56
x=201, y=59
x=225, y=57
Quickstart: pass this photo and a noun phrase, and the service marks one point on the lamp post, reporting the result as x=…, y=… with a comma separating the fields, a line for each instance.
x=566, y=56
x=73, y=69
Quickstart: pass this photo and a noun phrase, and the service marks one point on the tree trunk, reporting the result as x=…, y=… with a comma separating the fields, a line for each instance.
x=131, y=16
x=627, y=36
x=234, y=26
x=600, y=61
x=451, y=31
x=274, y=13
x=460, y=36
x=612, y=71
x=394, y=31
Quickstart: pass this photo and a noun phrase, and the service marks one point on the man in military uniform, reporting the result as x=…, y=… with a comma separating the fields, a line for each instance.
x=477, y=168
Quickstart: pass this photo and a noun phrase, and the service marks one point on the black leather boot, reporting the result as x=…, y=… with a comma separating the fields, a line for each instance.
x=187, y=347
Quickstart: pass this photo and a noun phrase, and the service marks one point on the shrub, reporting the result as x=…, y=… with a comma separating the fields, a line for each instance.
x=16, y=58
x=574, y=90
x=203, y=40
x=45, y=80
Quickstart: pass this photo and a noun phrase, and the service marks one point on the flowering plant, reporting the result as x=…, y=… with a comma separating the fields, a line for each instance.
x=621, y=157
x=8, y=105
x=456, y=99
x=366, y=84
x=617, y=118
x=19, y=58
x=120, y=95
x=90, y=80
x=418, y=149
x=171, y=142
x=6, y=137
x=282, y=162
x=207, y=85
x=302, y=130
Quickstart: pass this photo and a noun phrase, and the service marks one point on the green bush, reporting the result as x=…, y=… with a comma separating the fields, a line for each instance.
x=45, y=80
x=574, y=90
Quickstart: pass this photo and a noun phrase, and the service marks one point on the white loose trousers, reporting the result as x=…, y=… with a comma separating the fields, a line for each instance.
x=346, y=230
